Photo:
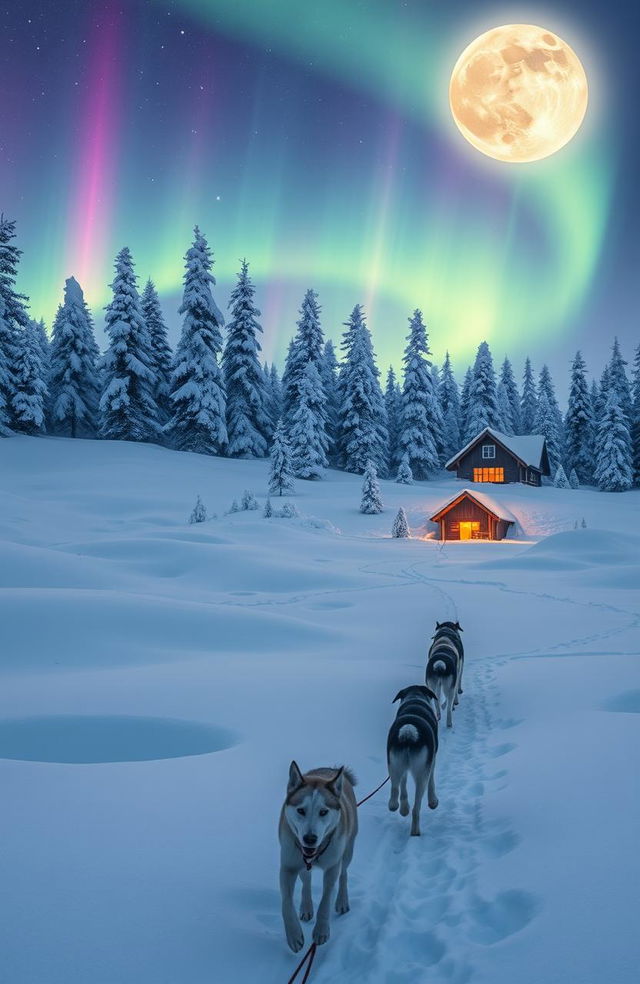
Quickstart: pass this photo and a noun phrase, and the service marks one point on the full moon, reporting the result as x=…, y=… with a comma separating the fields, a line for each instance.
x=518, y=93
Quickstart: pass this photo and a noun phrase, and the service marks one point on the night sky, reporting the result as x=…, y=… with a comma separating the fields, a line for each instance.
x=315, y=139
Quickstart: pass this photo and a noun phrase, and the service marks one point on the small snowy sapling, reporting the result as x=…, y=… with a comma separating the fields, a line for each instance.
x=248, y=501
x=400, y=528
x=405, y=475
x=371, y=500
x=199, y=513
x=574, y=481
x=268, y=510
x=560, y=480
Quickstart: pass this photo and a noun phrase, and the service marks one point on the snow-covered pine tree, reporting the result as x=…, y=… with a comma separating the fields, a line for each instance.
x=45, y=347
x=560, y=479
x=160, y=348
x=14, y=318
x=73, y=377
x=635, y=417
x=450, y=409
x=483, y=403
x=421, y=423
x=510, y=388
x=400, y=528
x=30, y=393
x=275, y=396
x=579, y=424
x=280, y=471
x=196, y=387
x=464, y=403
x=529, y=401
x=371, y=499
x=545, y=424
x=614, y=456
x=307, y=346
x=404, y=475
x=545, y=385
x=574, y=481
x=617, y=380
x=247, y=420
x=199, y=512
x=362, y=430
x=329, y=376
x=128, y=407
x=393, y=407
x=307, y=434
x=603, y=393
x=268, y=509
x=504, y=408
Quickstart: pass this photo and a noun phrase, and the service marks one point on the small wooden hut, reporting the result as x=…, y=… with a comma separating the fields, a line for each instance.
x=473, y=516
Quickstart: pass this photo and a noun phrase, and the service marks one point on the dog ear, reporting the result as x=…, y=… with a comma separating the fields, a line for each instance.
x=295, y=777
x=335, y=784
x=437, y=625
x=430, y=694
x=399, y=695
x=459, y=627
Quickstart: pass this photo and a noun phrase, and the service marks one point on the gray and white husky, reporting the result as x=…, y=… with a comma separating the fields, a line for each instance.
x=412, y=745
x=441, y=676
x=318, y=827
x=451, y=631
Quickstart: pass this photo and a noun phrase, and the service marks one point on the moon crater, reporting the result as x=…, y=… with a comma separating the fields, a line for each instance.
x=518, y=93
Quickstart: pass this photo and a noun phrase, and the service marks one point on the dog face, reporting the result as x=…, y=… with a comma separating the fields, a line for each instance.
x=312, y=809
x=419, y=691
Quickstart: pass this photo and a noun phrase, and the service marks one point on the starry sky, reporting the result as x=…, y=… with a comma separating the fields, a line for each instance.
x=316, y=140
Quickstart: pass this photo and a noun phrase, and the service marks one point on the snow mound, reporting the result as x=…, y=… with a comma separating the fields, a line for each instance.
x=577, y=550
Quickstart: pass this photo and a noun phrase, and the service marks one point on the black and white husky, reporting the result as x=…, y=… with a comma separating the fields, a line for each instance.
x=445, y=663
x=452, y=630
x=318, y=827
x=411, y=747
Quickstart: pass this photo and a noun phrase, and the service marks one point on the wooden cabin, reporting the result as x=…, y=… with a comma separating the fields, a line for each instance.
x=500, y=458
x=473, y=516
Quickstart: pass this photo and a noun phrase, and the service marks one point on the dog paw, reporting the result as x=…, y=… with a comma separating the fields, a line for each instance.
x=320, y=933
x=342, y=906
x=433, y=803
x=404, y=809
x=393, y=805
x=306, y=914
x=295, y=938
x=415, y=831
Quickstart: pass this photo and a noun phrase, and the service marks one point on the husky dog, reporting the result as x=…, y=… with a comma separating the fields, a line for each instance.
x=318, y=826
x=452, y=630
x=411, y=747
x=441, y=677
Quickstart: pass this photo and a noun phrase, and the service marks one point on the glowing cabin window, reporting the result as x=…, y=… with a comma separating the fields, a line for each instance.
x=488, y=474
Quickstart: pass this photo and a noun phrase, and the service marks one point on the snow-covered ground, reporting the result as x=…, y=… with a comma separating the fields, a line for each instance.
x=157, y=679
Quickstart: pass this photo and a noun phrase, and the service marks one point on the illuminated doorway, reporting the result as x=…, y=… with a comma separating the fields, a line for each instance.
x=467, y=529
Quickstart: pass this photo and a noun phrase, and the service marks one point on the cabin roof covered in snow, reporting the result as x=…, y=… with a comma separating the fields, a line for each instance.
x=527, y=448
x=493, y=506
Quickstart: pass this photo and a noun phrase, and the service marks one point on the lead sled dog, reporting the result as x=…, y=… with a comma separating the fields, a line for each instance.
x=445, y=663
x=318, y=827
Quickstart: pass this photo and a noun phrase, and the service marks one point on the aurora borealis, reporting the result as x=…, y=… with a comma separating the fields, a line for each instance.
x=315, y=139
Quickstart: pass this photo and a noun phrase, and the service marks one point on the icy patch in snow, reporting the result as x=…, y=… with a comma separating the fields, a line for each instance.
x=81, y=739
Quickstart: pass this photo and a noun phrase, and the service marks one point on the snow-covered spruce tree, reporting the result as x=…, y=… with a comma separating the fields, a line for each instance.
x=199, y=512
x=483, y=404
x=307, y=434
x=30, y=392
x=603, y=393
x=307, y=346
x=421, y=424
x=504, y=409
x=362, y=429
x=635, y=418
x=127, y=406
x=614, y=458
x=197, y=390
x=560, y=479
x=45, y=346
x=393, y=407
x=617, y=380
x=400, y=528
x=545, y=423
x=545, y=385
x=574, y=481
x=509, y=386
x=281, y=471
x=450, y=409
x=268, y=509
x=272, y=398
x=405, y=475
x=14, y=318
x=579, y=424
x=247, y=421
x=7, y=368
x=74, y=391
x=529, y=401
x=371, y=501
x=329, y=376
x=464, y=403
x=160, y=348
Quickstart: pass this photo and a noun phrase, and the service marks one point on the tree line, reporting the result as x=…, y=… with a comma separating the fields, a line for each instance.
x=213, y=396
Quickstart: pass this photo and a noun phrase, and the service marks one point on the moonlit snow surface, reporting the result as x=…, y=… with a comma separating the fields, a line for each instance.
x=134, y=644
x=518, y=93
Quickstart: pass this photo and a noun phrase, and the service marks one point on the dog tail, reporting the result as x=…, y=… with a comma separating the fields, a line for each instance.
x=408, y=733
x=439, y=667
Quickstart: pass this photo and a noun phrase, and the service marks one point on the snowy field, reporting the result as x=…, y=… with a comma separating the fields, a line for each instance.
x=157, y=679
